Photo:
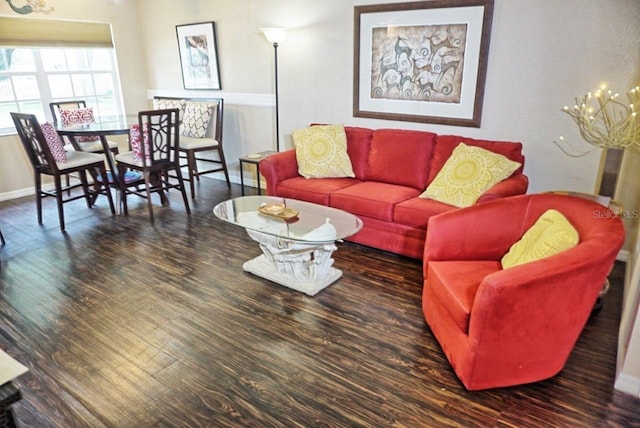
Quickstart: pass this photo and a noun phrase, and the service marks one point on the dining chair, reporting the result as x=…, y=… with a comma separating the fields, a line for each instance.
x=201, y=131
x=88, y=143
x=155, y=141
x=193, y=148
x=45, y=157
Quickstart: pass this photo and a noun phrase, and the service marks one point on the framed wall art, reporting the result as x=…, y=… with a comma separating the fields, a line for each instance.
x=422, y=61
x=199, y=55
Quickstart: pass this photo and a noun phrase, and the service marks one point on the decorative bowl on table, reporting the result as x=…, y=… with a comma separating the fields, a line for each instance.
x=272, y=209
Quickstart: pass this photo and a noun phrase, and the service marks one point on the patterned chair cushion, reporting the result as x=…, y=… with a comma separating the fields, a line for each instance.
x=196, y=119
x=165, y=103
x=136, y=147
x=56, y=146
x=79, y=116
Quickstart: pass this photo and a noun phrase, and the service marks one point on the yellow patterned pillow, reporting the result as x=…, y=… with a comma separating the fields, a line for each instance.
x=321, y=152
x=550, y=234
x=467, y=174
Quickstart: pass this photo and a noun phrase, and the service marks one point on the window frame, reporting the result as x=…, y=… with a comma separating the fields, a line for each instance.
x=45, y=96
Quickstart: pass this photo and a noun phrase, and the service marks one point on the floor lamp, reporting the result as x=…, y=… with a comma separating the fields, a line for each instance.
x=275, y=36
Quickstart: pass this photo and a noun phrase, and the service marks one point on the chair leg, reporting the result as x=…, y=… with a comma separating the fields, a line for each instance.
x=85, y=188
x=184, y=193
x=147, y=185
x=60, y=202
x=107, y=188
x=123, y=190
x=193, y=171
x=224, y=166
x=38, y=185
x=2, y=239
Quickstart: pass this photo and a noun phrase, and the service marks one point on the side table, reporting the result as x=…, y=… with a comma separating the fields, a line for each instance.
x=253, y=159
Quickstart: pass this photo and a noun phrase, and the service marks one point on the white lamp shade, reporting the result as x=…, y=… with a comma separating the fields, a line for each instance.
x=274, y=35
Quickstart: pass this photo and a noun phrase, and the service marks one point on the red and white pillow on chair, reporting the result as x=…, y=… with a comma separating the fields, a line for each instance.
x=136, y=146
x=56, y=146
x=79, y=116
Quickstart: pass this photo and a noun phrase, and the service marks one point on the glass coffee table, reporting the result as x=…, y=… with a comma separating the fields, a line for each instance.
x=297, y=238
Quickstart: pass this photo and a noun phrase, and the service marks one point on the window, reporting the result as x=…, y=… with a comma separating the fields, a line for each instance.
x=31, y=78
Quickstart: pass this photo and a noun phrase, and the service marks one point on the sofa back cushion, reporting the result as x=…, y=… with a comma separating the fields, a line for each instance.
x=400, y=157
x=445, y=144
x=358, y=146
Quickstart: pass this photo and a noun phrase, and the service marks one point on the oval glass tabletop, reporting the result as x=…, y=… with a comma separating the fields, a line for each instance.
x=298, y=220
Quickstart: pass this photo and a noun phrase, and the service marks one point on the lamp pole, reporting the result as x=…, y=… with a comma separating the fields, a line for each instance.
x=275, y=36
x=275, y=51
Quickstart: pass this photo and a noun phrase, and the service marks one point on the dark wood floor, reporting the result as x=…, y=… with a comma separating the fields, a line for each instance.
x=127, y=325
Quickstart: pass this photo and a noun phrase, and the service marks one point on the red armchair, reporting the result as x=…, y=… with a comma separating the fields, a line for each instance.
x=502, y=327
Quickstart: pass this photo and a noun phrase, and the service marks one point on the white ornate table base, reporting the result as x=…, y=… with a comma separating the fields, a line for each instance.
x=302, y=266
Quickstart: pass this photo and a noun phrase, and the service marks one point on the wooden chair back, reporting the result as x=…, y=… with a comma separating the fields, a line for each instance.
x=34, y=143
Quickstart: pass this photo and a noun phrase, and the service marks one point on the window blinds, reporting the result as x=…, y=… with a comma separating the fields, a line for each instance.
x=47, y=33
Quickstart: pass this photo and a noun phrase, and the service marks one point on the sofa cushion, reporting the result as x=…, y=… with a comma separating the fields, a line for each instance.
x=550, y=234
x=455, y=284
x=417, y=211
x=445, y=144
x=321, y=152
x=316, y=190
x=467, y=174
x=400, y=157
x=358, y=146
x=371, y=199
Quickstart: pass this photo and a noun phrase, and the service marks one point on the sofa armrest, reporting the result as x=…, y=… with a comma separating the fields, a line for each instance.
x=512, y=186
x=277, y=167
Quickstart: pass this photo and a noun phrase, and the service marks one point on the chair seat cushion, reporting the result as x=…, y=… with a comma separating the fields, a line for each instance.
x=92, y=147
x=192, y=143
x=129, y=158
x=76, y=159
x=455, y=283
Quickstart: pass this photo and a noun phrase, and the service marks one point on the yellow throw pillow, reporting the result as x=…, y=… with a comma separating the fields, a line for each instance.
x=321, y=152
x=467, y=174
x=550, y=234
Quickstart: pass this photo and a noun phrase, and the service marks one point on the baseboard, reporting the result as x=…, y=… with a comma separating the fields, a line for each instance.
x=628, y=384
x=623, y=255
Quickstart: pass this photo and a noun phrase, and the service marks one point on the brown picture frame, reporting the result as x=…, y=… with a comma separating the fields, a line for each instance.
x=423, y=61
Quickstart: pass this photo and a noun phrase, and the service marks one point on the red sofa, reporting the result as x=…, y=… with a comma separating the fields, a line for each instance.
x=502, y=327
x=392, y=168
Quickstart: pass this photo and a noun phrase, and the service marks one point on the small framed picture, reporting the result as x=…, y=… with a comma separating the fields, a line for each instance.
x=199, y=55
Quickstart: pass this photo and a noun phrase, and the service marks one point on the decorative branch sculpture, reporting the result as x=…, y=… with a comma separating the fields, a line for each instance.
x=605, y=121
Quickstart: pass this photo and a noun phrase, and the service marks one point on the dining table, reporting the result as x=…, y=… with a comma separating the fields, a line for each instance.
x=102, y=127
